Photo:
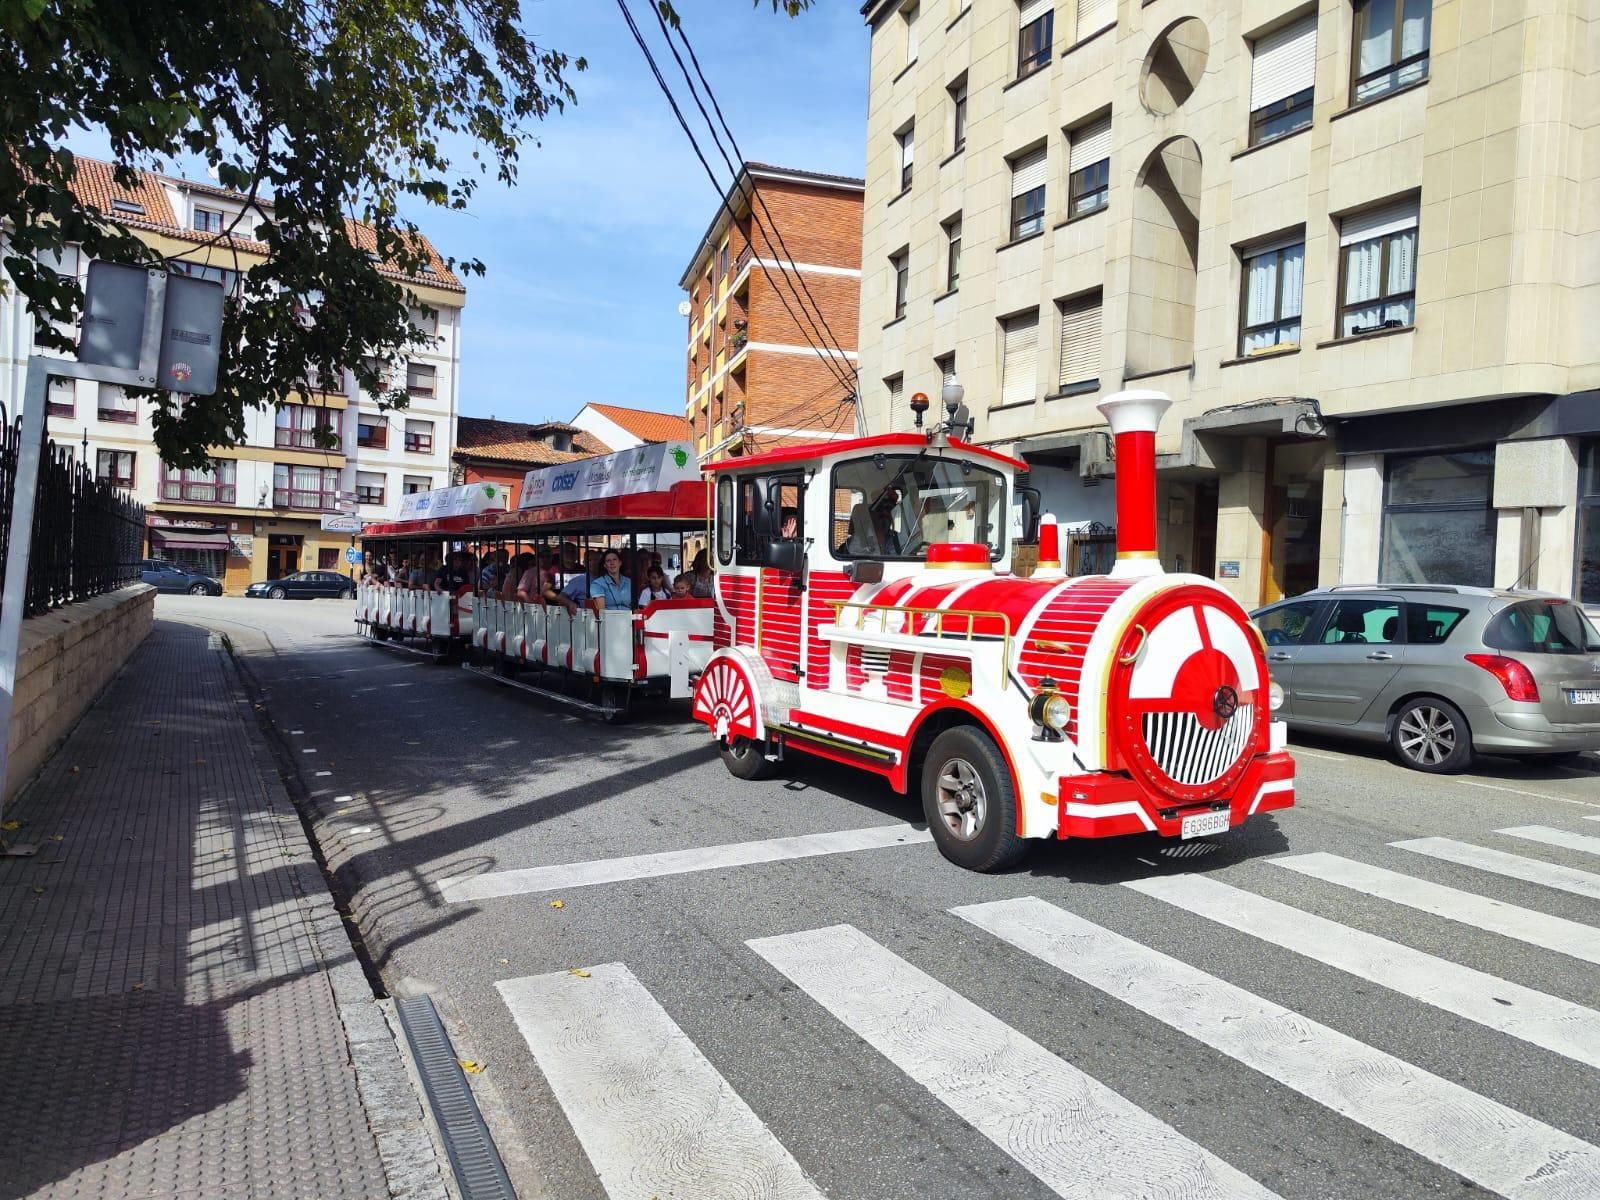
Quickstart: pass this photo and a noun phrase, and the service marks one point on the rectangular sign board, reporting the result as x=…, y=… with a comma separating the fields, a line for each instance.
x=653, y=468
x=341, y=523
x=191, y=336
x=113, y=323
x=112, y=329
x=466, y=500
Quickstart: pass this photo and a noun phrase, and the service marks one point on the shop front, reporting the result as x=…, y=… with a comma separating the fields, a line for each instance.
x=199, y=543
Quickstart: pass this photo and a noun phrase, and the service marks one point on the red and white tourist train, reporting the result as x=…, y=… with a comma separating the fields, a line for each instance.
x=866, y=613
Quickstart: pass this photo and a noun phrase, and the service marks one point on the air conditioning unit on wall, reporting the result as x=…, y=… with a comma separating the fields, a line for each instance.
x=1095, y=461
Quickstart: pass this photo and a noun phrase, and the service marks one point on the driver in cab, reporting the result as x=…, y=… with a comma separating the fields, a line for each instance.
x=872, y=528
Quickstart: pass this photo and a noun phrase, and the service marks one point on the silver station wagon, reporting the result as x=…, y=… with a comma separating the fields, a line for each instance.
x=1440, y=673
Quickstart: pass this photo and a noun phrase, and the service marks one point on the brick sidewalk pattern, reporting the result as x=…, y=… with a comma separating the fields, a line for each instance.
x=168, y=1026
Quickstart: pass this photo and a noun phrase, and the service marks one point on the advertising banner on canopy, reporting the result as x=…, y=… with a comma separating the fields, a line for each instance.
x=653, y=468
x=467, y=500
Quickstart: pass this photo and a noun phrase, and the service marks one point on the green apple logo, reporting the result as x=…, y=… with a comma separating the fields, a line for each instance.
x=679, y=456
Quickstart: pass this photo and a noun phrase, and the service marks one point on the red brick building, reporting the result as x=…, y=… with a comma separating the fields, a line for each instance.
x=757, y=377
x=491, y=451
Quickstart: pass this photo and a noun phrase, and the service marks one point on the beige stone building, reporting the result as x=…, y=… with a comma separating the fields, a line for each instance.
x=1357, y=241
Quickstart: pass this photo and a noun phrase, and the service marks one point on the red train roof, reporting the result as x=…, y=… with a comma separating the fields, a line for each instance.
x=681, y=505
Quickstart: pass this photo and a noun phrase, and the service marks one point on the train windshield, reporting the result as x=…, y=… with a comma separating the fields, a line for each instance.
x=894, y=506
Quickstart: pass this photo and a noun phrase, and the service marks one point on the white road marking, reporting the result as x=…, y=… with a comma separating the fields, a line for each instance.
x=320, y=774
x=653, y=1115
x=1074, y=1134
x=1555, y=837
x=1478, y=1138
x=1299, y=750
x=1555, y=1024
x=1530, y=870
x=308, y=750
x=1494, y=787
x=1522, y=924
x=675, y=862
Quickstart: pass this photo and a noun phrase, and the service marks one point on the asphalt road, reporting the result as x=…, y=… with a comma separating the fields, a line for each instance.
x=1135, y=1028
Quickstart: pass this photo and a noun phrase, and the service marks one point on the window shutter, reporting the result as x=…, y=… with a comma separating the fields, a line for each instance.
x=1376, y=222
x=1027, y=172
x=949, y=371
x=908, y=145
x=910, y=15
x=1032, y=10
x=1090, y=144
x=1285, y=63
x=1018, y=371
x=1080, y=342
x=1095, y=15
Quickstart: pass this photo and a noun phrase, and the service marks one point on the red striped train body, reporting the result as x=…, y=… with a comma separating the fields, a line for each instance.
x=1019, y=708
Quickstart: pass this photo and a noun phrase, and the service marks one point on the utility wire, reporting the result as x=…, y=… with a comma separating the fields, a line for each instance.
x=826, y=333
x=638, y=38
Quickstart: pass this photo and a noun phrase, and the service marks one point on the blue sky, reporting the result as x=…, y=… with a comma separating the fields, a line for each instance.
x=580, y=302
x=581, y=298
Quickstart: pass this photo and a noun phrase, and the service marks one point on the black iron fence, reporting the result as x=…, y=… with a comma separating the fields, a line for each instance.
x=88, y=536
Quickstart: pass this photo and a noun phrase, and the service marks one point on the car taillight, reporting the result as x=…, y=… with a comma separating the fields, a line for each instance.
x=1513, y=676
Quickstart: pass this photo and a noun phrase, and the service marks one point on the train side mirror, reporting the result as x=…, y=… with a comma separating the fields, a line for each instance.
x=1032, y=503
x=786, y=555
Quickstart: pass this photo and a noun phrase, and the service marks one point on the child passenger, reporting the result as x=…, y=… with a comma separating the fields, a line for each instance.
x=682, y=587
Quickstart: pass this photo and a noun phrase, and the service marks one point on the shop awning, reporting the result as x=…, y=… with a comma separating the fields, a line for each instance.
x=188, y=539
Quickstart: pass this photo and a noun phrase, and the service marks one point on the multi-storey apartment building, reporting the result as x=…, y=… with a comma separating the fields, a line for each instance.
x=1357, y=241
x=772, y=312
x=257, y=511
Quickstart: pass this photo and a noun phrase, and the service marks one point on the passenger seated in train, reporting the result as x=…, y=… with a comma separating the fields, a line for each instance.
x=569, y=595
x=611, y=587
x=522, y=574
x=420, y=573
x=455, y=574
x=655, y=586
x=789, y=523
x=683, y=587
x=700, y=577
x=872, y=526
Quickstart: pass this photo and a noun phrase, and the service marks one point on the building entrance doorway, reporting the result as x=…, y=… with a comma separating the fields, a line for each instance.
x=1205, y=528
x=1292, y=528
x=283, y=556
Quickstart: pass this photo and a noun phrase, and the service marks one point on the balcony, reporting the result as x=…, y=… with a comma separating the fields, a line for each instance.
x=189, y=492
x=322, y=438
x=305, y=500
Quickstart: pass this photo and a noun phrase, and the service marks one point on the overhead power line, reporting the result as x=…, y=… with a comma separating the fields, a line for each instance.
x=633, y=28
x=755, y=192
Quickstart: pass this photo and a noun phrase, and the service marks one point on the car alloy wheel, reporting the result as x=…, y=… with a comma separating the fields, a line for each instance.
x=1431, y=735
x=278, y=593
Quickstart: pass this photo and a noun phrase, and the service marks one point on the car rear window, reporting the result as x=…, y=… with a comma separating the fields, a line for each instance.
x=1430, y=624
x=1542, y=627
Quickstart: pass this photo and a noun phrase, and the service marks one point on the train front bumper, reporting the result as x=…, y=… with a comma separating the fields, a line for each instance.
x=1103, y=804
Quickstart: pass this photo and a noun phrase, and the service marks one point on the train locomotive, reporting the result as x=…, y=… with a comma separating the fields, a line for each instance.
x=866, y=613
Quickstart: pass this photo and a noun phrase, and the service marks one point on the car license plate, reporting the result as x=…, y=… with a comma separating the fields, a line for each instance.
x=1584, y=696
x=1202, y=824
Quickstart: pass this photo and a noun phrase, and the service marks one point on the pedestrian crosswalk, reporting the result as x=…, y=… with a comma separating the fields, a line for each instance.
x=656, y=1116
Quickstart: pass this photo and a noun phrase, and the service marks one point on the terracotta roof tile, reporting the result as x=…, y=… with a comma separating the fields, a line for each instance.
x=648, y=426
x=487, y=440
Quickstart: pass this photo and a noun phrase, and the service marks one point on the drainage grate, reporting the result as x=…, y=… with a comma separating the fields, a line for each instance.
x=480, y=1175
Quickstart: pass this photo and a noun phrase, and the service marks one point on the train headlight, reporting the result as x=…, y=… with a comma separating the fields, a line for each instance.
x=1275, y=696
x=1051, y=710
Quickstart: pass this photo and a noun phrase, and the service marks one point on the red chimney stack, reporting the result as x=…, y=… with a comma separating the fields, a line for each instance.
x=1134, y=418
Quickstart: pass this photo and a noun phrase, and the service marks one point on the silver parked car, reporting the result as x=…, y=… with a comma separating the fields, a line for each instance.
x=1438, y=672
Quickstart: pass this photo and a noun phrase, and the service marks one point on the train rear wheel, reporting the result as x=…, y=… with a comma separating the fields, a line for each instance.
x=970, y=802
x=746, y=758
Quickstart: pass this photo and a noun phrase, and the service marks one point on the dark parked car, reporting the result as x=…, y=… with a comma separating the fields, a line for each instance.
x=303, y=585
x=1440, y=673
x=167, y=576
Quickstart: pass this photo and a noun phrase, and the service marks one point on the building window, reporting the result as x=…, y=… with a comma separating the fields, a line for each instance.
x=369, y=487
x=1027, y=194
x=301, y=427
x=116, y=405
x=315, y=489
x=1438, y=519
x=1391, y=46
x=199, y=485
x=1378, y=270
x=131, y=207
x=419, y=436
x=722, y=261
x=419, y=379
x=1079, y=368
x=64, y=263
x=899, y=416
x=907, y=138
x=900, y=265
x=1089, y=167
x=1272, y=280
x=909, y=14
x=114, y=467
x=1588, y=556
x=1035, y=23
x=952, y=236
x=1095, y=15
x=426, y=320
x=207, y=220
x=1283, y=73
x=372, y=432
x=62, y=398
x=194, y=270
x=958, y=115
x=417, y=483
x=945, y=364
x=1019, y=372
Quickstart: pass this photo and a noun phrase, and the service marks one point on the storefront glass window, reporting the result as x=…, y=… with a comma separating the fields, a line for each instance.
x=1588, y=571
x=1438, y=523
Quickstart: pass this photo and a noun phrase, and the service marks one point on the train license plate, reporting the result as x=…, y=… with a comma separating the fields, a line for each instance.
x=1584, y=696
x=1202, y=824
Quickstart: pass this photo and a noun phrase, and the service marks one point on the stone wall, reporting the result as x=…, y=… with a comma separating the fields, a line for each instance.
x=64, y=660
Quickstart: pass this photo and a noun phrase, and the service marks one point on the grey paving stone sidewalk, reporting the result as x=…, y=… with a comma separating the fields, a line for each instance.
x=170, y=1023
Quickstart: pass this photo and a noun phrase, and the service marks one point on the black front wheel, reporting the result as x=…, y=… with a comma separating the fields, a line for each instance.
x=970, y=801
x=278, y=594
x=746, y=758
